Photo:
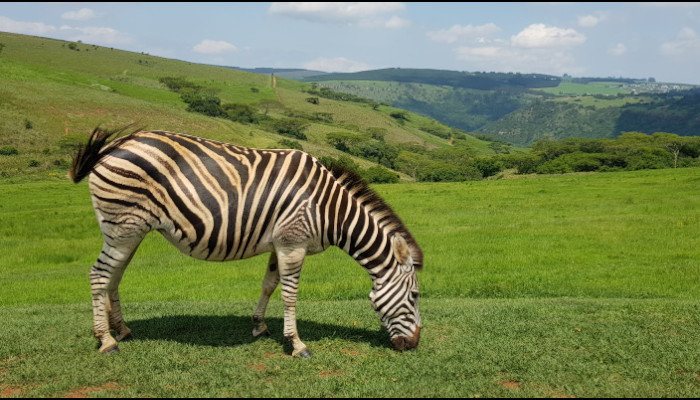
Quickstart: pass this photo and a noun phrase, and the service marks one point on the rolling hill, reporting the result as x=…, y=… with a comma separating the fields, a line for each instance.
x=53, y=93
x=523, y=108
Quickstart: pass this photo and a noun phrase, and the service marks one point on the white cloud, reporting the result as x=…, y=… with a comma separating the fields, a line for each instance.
x=337, y=64
x=619, y=50
x=396, y=23
x=686, y=43
x=26, y=28
x=96, y=35
x=214, y=47
x=80, y=15
x=541, y=35
x=457, y=32
x=354, y=13
x=588, y=21
x=537, y=48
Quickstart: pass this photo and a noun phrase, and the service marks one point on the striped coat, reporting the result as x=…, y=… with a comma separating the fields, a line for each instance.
x=216, y=201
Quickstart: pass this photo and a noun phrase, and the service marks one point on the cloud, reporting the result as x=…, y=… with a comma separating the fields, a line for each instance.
x=81, y=15
x=686, y=43
x=396, y=23
x=457, y=32
x=214, y=47
x=537, y=48
x=619, y=50
x=26, y=28
x=95, y=35
x=541, y=35
x=353, y=13
x=337, y=64
x=588, y=21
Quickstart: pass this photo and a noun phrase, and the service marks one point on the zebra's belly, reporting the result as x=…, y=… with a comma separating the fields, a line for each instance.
x=217, y=250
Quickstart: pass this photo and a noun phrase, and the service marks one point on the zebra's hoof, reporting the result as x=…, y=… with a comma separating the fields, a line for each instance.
x=111, y=350
x=125, y=338
x=264, y=333
x=306, y=353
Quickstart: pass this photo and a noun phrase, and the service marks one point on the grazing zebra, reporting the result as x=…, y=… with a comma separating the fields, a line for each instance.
x=219, y=202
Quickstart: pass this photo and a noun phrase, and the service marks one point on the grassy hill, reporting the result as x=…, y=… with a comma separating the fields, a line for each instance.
x=53, y=92
x=523, y=108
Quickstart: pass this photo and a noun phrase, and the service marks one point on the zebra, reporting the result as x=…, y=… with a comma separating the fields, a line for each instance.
x=217, y=201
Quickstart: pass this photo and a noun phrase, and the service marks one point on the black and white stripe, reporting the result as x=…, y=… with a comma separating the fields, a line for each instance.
x=219, y=202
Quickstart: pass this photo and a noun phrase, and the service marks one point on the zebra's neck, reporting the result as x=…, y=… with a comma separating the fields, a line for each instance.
x=362, y=228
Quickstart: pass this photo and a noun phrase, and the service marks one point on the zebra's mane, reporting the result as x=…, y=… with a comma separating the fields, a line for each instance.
x=355, y=184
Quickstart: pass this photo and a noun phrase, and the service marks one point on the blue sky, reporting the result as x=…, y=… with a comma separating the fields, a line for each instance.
x=635, y=40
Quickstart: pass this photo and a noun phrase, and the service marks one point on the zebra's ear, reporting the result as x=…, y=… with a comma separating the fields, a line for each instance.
x=401, y=250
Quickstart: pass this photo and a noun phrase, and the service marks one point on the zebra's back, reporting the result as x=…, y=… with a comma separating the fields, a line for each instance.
x=212, y=200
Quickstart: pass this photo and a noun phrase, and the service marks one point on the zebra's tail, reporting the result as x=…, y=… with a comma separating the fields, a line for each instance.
x=89, y=155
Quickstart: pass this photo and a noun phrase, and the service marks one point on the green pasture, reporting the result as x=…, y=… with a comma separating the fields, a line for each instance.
x=587, y=89
x=580, y=285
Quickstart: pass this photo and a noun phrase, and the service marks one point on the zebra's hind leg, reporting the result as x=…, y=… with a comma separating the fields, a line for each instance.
x=105, y=276
x=272, y=278
x=290, y=261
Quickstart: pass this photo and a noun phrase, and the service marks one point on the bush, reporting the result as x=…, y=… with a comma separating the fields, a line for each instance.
x=70, y=144
x=240, y=113
x=379, y=174
x=342, y=161
x=290, y=144
x=523, y=163
x=292, y=127
x=488, y=166
x=8, y=151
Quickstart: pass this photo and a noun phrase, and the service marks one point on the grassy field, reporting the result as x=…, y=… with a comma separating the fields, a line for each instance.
x=49, y=92
x=582, y=285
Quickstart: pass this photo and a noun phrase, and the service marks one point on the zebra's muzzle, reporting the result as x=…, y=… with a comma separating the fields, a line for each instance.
x=402, y=343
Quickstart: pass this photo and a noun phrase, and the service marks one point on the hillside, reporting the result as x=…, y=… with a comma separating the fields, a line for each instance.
x=53, y=93
x=523, y=108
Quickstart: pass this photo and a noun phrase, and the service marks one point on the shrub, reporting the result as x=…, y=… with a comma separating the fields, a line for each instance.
x=342, y=161
x=71, y=143
x=379, y=174
x=523, y=163
x=8, y=151
x=488, y=166
x=239, y=113
x=292, y=127
x=290, y=144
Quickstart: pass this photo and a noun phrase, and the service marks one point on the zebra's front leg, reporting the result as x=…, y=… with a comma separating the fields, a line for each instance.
x=289, y=263
x=272, y=278
x=105, y=277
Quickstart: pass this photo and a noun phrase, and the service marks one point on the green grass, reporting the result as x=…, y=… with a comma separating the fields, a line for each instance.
x=581, y=285
x=67, y=92
x=592, y=88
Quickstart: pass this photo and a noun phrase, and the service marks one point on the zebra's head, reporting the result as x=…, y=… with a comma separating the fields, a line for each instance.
x=395, y=295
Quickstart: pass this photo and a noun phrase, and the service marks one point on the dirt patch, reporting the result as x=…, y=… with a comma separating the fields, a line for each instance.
x=258, y=367
x=330, y=373
x=511, y=384
x=9, y=391
x=350, y=352
x=84, y=393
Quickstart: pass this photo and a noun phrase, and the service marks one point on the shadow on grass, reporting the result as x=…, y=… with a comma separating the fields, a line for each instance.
x=220, y=331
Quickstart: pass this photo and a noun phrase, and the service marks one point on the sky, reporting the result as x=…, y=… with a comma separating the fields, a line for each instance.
x=631, y=40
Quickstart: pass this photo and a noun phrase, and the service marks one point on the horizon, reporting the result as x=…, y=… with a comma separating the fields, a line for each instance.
x=603, y=40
